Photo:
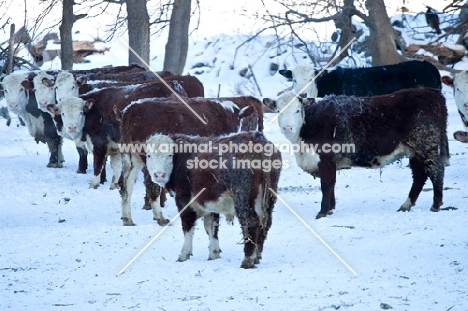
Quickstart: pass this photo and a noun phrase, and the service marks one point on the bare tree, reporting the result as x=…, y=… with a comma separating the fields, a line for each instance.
x=177, y=41
x=138, y=31
x=66, y=40
x=372, y=12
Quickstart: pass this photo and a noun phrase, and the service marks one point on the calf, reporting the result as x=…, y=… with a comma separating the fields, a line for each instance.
x=225, y=187
x=370, y=81
x=382, y=129
x=460, y=91
x=167, y=116
x=21, y=100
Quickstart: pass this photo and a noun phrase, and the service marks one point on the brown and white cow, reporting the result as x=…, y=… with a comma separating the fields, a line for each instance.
x=21, y=100
x=223, y=186
x=91, y=118
x=382, y=129
x=460, y=91
x=146, y=117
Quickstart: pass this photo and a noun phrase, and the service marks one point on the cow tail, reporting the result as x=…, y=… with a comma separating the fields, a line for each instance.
x=444, y=145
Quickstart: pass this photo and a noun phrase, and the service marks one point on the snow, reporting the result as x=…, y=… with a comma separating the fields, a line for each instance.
x=63, y=244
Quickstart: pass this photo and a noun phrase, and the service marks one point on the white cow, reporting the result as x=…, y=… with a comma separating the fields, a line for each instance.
x=460, y=91
x=303, y=80
x=21, y=100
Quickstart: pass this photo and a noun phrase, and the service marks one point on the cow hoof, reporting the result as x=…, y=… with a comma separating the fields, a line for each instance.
x=147, y=207
x=248, y=263
x=214, y=255
x=320, y=215
x=80, y=171
x=55, y=165
x=162, y=222
x=183, y=258
x=434, y=209
x=404, y=209
x=127, y=222
x=114, y=186
x=91, y=186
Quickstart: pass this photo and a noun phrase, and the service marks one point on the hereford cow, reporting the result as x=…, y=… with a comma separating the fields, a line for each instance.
x=363, y=81
x=460, y=91
x=378, y=130
x=21, y=100
x=146, y=117
x=244, y=191
x=47, y=94
x=91, y=118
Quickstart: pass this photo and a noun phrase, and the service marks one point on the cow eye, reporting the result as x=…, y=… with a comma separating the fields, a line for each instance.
x=294, y=80
x=148, y=155
x=62, y=114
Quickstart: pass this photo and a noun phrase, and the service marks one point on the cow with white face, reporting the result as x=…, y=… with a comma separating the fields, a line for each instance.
x=303, y=80
x=67, y=85
x=44, y=87
x=21, y=100
x=460, y=92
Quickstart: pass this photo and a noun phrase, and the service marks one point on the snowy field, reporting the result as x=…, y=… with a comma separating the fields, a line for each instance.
x=62, y=244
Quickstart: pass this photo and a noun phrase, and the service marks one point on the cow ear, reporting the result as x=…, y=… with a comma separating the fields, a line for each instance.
x=81, y=80
x=447, y=80
x=27, y=85
x=270, y=103
x=286, y=73
x=48, y=82
x=306, y=101
x=31, y=76
x=53, y=109
x=245, y=112
x=89, y=103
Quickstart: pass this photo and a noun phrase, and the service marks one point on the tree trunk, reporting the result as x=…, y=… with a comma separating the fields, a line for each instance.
x=177, y=41
x=138, y=32
x=66, y=41
x=383, y=47
x=343, y=22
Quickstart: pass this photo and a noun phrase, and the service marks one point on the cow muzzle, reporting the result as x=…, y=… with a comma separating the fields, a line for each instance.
x=160, y=178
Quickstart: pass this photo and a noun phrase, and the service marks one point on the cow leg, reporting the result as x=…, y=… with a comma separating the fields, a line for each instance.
x=83, y=161
x=436, y=174
x=99, y=156
x=149, y=189
x=153, y=191
x=327, y=173
x=116, y=164
x=162, y=197
x=130, y=169
x=188, y=218
x=211, y=222
x=419, y=179
x=55, y=148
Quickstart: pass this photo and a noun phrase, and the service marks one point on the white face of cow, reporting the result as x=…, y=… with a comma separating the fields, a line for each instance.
x=302, y=76
x=159, y=162
x=292, y=118
x=72, y=112
x=66, y=86
x=460, y=87
x=45, y=90
x=16, y=90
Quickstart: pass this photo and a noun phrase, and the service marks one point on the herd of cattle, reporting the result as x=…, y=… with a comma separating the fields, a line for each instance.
x=386, y=112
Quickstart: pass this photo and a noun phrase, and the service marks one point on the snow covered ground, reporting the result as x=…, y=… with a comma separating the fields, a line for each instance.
x=62, y=244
